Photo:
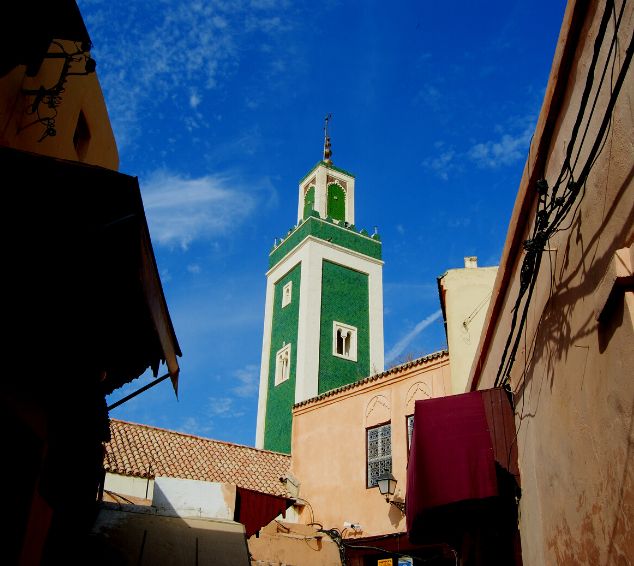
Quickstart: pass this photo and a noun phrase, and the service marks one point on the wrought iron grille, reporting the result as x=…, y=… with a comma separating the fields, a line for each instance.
x=379, y=452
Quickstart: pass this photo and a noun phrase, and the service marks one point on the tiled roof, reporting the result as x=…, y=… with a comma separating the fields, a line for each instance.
x=146, y=451
x=375, y=377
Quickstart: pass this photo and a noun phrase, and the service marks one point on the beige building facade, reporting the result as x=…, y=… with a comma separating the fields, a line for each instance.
x=568, y=353
x=464, y=298
x=335, y=455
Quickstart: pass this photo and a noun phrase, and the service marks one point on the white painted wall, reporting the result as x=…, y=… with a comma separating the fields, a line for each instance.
x=193, y=498
x=128, y=485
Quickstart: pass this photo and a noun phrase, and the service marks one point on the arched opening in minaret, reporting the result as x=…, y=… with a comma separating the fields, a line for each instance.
x=336, y=202
x=343, y=342
x=309, y=202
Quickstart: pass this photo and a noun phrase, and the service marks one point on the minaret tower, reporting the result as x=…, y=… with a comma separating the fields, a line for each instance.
x=323, y=318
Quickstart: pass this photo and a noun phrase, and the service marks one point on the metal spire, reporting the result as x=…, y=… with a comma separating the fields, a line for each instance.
x=327, y=149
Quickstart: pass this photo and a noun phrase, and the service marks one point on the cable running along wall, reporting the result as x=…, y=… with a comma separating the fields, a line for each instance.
x=554, y=204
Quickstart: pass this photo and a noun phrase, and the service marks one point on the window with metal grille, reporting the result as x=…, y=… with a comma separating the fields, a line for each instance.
x=379, y=448
x=410, y=430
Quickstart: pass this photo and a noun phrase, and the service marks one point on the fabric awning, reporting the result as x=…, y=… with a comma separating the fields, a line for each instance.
x=84, y=286
x=256, y=510
x=463, y=452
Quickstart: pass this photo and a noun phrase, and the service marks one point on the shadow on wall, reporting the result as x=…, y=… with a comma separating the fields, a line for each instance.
x=168, y=533
x=554, y=338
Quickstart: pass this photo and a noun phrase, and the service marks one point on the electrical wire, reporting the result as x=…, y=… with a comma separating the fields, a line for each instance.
x=552, y=208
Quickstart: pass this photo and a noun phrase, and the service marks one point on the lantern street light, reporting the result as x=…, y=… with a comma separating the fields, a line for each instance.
x=387, y=486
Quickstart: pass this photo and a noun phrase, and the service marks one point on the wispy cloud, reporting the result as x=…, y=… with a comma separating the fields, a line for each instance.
x=192, y=425
x=247, y=378
x=506, y=150
x=223, y=407
x=181, y=210
x=398, y=348
x=510, y=146
x=441, y=164
x=141, y=64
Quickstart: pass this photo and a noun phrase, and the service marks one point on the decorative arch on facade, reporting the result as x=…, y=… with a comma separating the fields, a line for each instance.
x=336, y=202
x=417, y=392
x=377, y=411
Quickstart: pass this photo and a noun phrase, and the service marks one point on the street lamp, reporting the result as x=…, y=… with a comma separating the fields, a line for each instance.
x=387, y=486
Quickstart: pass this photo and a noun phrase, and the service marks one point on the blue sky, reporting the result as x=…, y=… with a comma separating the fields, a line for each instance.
x=218, y=108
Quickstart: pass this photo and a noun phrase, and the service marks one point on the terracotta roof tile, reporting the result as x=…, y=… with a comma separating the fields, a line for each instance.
x=146, y=451
x=402, y=367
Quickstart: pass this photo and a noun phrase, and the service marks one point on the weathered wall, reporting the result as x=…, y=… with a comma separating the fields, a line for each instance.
x=82, y=94
x=193, y=498
x=282, y=543
x=129, y=485
x=573, y=375
x=138, y=535
x=329, y=446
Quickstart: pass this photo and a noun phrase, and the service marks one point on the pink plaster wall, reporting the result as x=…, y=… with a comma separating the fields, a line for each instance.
x=329, y=447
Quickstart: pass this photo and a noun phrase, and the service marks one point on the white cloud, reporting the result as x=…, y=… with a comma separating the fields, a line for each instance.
x=194, y=268
x=247, y=378
x=178, y=44
x=181, y=210
x=398, y=348
x=191, y=425
x=223, y=407
x=508, y=149
x=220, y=406
x=442, y=164
x=194, y=100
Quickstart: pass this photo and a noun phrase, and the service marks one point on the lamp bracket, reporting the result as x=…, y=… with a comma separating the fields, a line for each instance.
x=400, y=505
x=52, y=97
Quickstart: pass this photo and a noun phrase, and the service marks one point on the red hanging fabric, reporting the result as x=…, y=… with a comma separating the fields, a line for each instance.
x=256, y=510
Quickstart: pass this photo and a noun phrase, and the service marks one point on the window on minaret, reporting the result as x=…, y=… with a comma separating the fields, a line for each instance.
x=344, y=341
x=336, y=202
x=283, y=364
x=287, y=294
x=379, y=452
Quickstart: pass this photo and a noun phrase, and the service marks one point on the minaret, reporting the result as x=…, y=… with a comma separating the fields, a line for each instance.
x=323, y=318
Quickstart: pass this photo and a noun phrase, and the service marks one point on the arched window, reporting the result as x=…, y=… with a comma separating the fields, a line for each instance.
x=336, y=202
x=283, y=364
x=309, y=201
x=344, y=341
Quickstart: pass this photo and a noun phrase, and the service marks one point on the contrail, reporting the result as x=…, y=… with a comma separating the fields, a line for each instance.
x=398, y=348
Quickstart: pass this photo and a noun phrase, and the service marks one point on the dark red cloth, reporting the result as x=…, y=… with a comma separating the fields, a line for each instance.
x=451, y=457
x=256, y=510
